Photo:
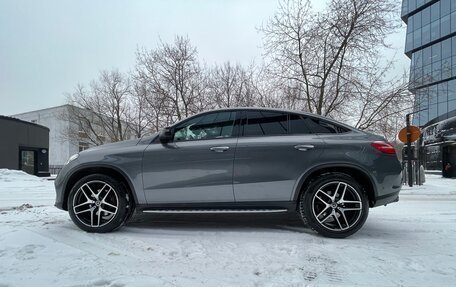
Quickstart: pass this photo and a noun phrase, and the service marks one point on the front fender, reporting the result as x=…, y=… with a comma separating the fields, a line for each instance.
x=63, y=186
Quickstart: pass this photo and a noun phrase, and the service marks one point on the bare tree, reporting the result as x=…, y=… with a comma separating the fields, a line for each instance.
x=100, y=113
x=138, y=114
x=323, y=63
x=173, y=78
x=321, y=55
x=381, y=106
x=232, y=85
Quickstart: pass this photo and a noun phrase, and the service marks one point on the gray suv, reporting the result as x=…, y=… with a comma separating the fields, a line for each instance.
x=240, y=160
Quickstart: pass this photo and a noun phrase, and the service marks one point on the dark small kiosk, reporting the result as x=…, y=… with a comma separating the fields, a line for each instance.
x=24, y=146
x=439, y=147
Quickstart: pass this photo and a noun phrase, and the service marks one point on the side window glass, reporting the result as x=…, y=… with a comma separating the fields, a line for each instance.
x=318, y=126
x=261, y=123
x=209, y=126
x=299, y=124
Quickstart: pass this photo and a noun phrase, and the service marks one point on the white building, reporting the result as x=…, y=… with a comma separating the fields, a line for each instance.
x=60, y=148
x=61, y=144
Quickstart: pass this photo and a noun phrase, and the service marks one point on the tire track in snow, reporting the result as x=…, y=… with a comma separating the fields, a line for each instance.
x=74, y=240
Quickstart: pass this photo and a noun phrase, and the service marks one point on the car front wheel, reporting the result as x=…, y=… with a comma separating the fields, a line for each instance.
x=98, y=203
x=334, y=205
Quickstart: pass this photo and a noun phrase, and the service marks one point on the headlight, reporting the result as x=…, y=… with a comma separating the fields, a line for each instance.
x=73, y=157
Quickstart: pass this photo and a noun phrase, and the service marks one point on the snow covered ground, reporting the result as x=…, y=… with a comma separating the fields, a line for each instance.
x=409, y=243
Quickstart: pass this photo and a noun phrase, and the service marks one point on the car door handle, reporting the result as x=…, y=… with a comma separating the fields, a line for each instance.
x=304, y=147
x=220, y=148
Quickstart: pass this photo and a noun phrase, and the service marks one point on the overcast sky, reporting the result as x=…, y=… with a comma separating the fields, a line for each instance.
x=48, y=47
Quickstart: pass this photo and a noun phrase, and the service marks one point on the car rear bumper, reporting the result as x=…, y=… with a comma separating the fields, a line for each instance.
x=388, y=190
x=386, y=199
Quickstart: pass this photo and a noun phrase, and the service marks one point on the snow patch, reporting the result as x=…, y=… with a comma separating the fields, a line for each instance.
x=409, y=243
x=21, y=190
x=8, y=175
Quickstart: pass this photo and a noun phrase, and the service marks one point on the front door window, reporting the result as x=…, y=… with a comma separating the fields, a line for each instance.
x=209, y=126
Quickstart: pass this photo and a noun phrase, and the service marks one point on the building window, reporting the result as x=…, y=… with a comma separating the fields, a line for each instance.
x=423, y=117
x=442, y=108
x=417, y=38
x=452, y=90
x=451, y=106
x=411, y=5
x=453, y=67
x=435, y=30
x=82, y=135
x=83, y=146
x=432, y=111
x=436, y=52
x=433, y=95
x=427, y=56
x=446, y=48
x=433, y=63
x=435, y=11
x=410, y=23
x=442, y=92
x=417, y=21
x=453, y=22
x=445, y=8
x=426, y=34
x=436, y=71
x=426, y=16
x=427, y=74
x=423, y=98
x=446, y=68
x=419, y=3
x=419, y=77
x=445, y=25
x=404, y=7
x=409, y=42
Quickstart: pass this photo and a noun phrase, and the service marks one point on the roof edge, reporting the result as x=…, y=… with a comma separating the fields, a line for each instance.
x=22, y=122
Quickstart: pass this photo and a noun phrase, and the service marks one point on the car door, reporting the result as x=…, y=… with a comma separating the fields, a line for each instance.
x=273, y=151
x=197, y=165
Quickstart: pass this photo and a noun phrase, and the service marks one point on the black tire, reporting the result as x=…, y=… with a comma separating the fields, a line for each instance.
x=131, y=210
x=94, y=211
x=323, y=208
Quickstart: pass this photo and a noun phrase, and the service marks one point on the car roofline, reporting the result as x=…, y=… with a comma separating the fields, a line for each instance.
x=233, y=109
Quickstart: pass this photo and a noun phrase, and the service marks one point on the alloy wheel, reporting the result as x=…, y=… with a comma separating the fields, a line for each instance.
x=337, y=206
x=95, y=203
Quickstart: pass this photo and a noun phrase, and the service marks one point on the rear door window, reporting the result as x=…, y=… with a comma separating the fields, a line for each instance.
x=318, y=126
x=265, y=123
x=300, y=124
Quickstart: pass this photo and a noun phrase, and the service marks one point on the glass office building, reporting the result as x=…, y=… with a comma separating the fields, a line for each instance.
x=431, y=46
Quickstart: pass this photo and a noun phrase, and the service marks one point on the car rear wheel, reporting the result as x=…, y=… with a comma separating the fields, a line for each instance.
x=334, y=205
x=98, y=203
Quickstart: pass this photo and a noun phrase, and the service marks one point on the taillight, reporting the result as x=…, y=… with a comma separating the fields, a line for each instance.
x=383, y=147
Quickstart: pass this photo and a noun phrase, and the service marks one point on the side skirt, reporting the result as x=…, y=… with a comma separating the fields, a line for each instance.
x=220, y=207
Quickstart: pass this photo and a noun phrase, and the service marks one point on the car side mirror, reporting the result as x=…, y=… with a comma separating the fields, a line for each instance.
x=166, y=135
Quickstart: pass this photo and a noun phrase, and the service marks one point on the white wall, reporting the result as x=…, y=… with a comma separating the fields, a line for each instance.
x=60, y=149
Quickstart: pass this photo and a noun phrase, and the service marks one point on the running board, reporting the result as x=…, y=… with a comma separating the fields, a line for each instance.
x=214, y=210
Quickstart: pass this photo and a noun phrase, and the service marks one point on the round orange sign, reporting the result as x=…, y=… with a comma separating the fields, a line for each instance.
x=415, y=134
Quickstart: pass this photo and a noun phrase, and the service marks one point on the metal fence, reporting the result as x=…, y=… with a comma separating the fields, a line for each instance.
x=55, y=169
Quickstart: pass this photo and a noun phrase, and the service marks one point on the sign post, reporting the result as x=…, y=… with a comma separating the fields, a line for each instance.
x=408, y=135
x=409, y=151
